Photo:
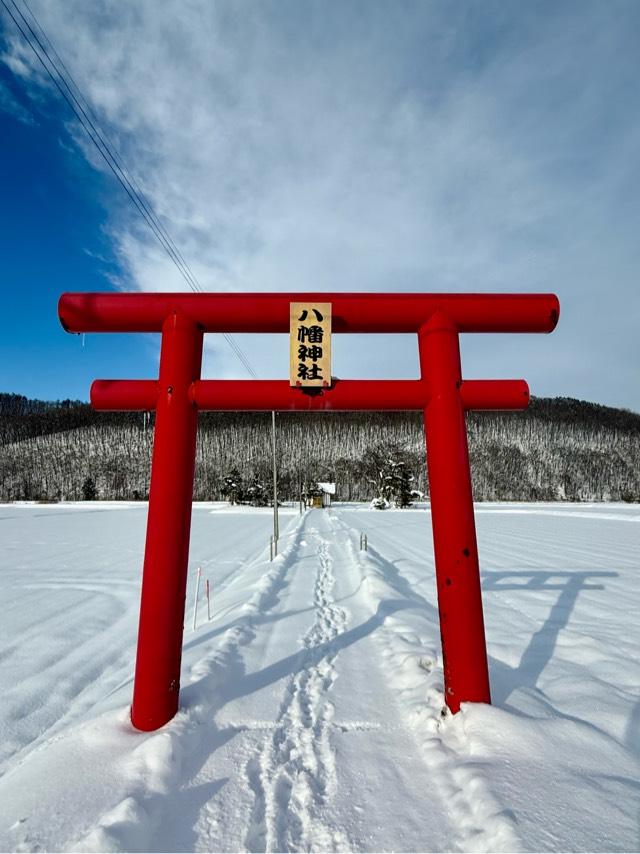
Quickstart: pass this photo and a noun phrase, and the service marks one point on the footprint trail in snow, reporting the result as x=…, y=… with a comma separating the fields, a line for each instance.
x=293, y=776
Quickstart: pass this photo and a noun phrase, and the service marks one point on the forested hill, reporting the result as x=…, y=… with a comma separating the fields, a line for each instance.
x=559, y=449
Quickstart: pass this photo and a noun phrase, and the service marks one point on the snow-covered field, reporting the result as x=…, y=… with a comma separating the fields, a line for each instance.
x=311, y=703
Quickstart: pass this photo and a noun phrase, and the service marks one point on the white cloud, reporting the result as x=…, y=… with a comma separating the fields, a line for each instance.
x=367, y=146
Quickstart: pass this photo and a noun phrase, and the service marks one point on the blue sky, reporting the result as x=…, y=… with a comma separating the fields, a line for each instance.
x=331, y=146
x=52, y=220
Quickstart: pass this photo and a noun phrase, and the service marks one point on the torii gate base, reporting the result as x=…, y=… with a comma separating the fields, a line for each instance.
x=179, y=394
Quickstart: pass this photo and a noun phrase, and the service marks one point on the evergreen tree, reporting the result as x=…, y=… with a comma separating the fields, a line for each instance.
x=89, y=491
x=390, y=476
x=231, y=488
x=403, y=495
x=256, y=493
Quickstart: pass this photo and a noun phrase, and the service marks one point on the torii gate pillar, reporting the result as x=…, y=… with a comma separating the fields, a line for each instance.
x=156, y=687
x=466, y=675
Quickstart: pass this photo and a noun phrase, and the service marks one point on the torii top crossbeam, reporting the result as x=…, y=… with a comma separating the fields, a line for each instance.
x=178, y=394
x=269, y=312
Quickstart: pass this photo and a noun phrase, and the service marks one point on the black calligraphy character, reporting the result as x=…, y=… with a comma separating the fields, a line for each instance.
x=309, y=372
x=312, y=334
x=314, y=353
x=305, y=314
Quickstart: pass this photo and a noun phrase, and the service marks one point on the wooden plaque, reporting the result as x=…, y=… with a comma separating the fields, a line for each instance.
x=310, y=344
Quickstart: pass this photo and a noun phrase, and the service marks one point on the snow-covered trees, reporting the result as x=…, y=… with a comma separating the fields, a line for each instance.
x=558, y=449
x=256, y=493
x=237, y=490
x=231, y=488
x=392, y=479
x=404, y=495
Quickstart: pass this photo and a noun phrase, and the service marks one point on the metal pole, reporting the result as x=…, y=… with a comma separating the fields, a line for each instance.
x=164, y=579
x=466, y=676
x=276, y=528
x=195, y=601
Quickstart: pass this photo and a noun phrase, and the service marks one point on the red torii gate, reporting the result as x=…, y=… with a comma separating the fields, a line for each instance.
x=179, y=393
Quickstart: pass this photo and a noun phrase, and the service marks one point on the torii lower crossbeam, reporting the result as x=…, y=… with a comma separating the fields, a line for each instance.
x=179, y=393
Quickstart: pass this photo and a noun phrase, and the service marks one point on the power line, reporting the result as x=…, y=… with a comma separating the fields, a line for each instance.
x=93, y=121
x=70, y=91
x=89, y=127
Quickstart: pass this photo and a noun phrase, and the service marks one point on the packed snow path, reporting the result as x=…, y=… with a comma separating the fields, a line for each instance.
x=313, y=741
x=311, y=703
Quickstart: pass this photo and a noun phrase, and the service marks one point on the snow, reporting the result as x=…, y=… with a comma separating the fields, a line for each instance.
x=311, y=705
x=328, y=488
